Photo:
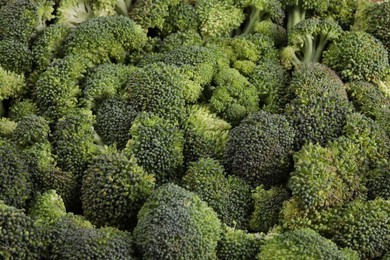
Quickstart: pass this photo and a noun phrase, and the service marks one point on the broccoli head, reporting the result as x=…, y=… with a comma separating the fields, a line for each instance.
x=378, y=183
x=15, y=56
x=30, y=130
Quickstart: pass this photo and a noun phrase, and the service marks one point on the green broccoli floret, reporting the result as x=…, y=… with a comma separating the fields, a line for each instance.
x=363, y=226
x=308, y=38
x=303, y=244
x=344, y=11
x=268, y=204
x=237, y=244
x=297, y=10
x=229, y=197
x=114, y=117
x=369, y=100
x=182, y=18
x=157, y=145
x=19, y=239
x=273, y=30
x=180, y=39
x=15, y=182
x=259, y=149
x=378, y=183
x=15, y=56
x=186, y=227
x=218, y=17
x=257, y=11
x=271, y=80
x=234, y=97
x=7, y=127
x=357, y=56
x=104, y=81
x=114, y=189
x=205, y=134
x=314, y=89
x=104, y=39
x=11, y=86
x=30, y=130
x=157, y=88
x=20, y=108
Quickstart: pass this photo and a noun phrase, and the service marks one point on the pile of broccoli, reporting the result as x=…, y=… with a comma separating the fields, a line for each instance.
x=194, y=129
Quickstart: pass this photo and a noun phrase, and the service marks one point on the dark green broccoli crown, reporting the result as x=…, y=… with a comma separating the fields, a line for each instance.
x=157, y=145
x=206, y=135
x=357, y=56
x=234, y=97
x=363, y=226
x=30, y=130
x=74, y=142
x=229, y=197
x=344, y=12
x=114, y=117
x=238, y=244
x=378, y=21
x=182, y=17
x=21, y=108
x=369, y=100
x=19, y=238
x=303, y=244
x=15, y=183
x=185, y=226
x=114, y=189
x=259, y=149
x=378, y=183
x=158, y=89
x=15, y=56
x=106, y=38
x=182, y=39
x=270, y=80
x=104, y=81
x=268, y=204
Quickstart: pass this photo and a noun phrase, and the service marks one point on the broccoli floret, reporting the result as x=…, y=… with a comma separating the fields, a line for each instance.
x=273, y=30
x=344, y=11
x=238, y=244
x=369, y=100
x=104, y=81
x=314, y=89
x=15, y=56
x=11, y=86
x=296, y=10
x=105, y=39
x=303, y=244
x=7, y=127
x=259, y=149
x=205, y=134
x=157, y=145
x=114, y=117
x=229, y=197
x=308, y=38
x=218, y=17
x=363, y=226
x=157, y=88
x=30, y=130
x=186, y=228
x=114, y=189
x=19, y=239
x=234, y=97
x=271, y=80
x=378, y=183
x=21, y=108
x=257, y=11
x=180, y=39
x=357, y=55
x=268, y=204
x=15, y=182
x=182, y=18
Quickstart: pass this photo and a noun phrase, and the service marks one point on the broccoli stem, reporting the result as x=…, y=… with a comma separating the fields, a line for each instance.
x=2, y=110
x=123, y=6
x=295, y=15
x=320, y=47
x=308, y=50
x=255, y=16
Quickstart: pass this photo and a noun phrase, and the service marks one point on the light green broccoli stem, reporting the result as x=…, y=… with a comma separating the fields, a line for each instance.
x=123, y=6
x=295, y=15
x=320, y=48
x=255, y=16
x=308, y=50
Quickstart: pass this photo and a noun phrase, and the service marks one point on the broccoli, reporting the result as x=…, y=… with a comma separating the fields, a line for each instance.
x=186, y=227
x=344, y=11
x=273, y=30
x=182, y=39
x=157, y=145
x=303, y=244
x=114, y=189
x=30, y=130
x=20, y=108
x=15, y=56
x=233, y=97
x=19, y=239
x=181, y=19
x=357, y=55
x=259, y=149
x=307, y=40
x=11, y=85
x=7, y=127
x=229, y=197
x=378, y=183
x=205, y=134
x=268, y=204
x=238, y=244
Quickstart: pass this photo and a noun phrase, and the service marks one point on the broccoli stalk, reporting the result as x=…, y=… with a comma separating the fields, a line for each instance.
x=308, y=39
